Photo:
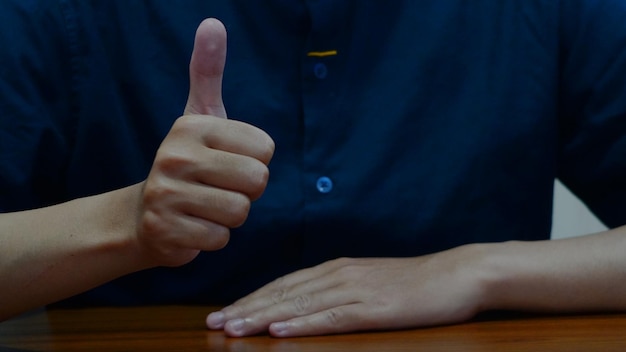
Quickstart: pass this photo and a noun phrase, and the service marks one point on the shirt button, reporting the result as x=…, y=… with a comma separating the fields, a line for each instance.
x=324, y=184
x=320, y=70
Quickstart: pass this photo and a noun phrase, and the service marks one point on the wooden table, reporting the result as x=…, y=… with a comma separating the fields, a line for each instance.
x=182, y=329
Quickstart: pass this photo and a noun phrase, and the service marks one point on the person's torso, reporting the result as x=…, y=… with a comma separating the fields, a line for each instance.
x=401, y=128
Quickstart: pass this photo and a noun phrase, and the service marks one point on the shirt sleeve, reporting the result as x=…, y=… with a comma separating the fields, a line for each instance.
x=35, y=102
x=593, y=105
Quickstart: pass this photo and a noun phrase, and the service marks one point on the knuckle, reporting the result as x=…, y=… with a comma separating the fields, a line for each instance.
x=278, y=282
x=183, y=126
x=279, y=295
x=188, y=124
x=267, y=151
x=302, y=303
x=258, y=179
x=220, y=236
x=237, y=210
x=196, y=125
x=334, y=317
x=151, y=223
x=350, y=271
x=156, y=191
x=154, y=232
x=264, y=145
x=172, y=161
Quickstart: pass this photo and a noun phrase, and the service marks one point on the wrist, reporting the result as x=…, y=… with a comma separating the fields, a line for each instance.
x=490, y=269
x=481, y=273
x=509, y=275
x=118, y=217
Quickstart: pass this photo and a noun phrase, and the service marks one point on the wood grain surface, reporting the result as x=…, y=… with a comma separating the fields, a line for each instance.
x=181, y=328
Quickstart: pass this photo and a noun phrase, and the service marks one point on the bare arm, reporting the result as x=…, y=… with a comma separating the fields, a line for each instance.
x=580, y=274
x=206, y=173
x=570, y=275
x=52, y=253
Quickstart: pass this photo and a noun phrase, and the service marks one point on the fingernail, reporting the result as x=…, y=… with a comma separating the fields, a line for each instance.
x=215, y=320
x=235, y=326
x=279, y=329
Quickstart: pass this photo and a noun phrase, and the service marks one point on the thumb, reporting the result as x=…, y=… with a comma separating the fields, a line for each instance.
x=206, y=70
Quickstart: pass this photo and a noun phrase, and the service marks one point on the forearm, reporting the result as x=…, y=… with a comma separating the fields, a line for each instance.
x=52, y=253
x=569, y=275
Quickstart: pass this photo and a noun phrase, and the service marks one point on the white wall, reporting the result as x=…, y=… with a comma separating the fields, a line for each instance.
x=571, y=217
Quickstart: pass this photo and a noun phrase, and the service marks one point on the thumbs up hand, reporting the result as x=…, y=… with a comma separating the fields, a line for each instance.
x=208, y=169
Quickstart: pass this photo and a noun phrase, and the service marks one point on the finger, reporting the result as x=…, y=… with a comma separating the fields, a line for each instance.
x=277, y=291
x=199, y=234
x=234, y=172
x=291, y=288
x=221, y=169
x=216, y=133
x=343, y=319
x=223, y=207
x=241, y=138
x=220, y=206
x=300, y=306
x=206, y=70
x=187, y=234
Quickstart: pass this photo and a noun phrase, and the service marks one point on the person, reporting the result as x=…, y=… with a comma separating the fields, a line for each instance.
x=164, y=220
x=416, y=146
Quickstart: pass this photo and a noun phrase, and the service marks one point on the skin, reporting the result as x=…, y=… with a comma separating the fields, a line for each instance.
x=205, y=174
x=570, y=275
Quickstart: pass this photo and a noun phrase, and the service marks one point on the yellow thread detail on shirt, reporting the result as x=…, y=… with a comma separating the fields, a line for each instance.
x=322, y=53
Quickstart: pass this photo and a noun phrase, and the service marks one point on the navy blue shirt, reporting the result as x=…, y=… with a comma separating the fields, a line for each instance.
x=401, y=127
